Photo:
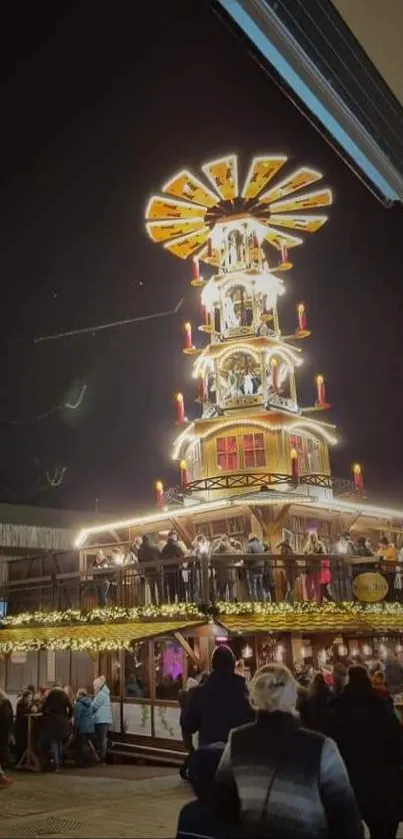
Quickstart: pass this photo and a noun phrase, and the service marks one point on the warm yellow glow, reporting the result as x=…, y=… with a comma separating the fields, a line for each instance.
x=217, y=173
x=183, y=465
x=179, y=397
x=172, y=209
x=306, y=224
x=187, y=326
x=301, y=308
x=192, y=238
x=294, y=454
x=159, y=486
x=311, y=426
x=261, y=170
x=177, y=185
x=161, y=231
x=357, y=469
x=303, y=176
x=319, y=380
x=320, y=198
x=333, y=504
x=235, y=348
x=273, y=362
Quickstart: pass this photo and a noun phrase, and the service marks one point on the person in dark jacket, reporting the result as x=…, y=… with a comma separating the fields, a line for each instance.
x=276, y=778
x=6, y=727
x=370, y=739
x=220, y=704
x=57, y=711
x=394, y=674
x=150, y=552
x=197, y=819
x=83, y=725
x=172, y=578
x=255, y=567
x=316, y=713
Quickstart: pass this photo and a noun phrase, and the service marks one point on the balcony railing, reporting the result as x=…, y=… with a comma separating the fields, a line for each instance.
x=223, y=577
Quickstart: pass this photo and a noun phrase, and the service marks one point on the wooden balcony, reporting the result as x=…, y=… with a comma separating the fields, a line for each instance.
x=223, y=578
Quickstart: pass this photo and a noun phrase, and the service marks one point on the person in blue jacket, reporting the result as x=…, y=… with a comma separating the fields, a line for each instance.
x=102, y=714
x=83, y=725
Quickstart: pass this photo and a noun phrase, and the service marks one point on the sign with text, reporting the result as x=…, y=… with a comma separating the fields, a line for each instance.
x=370, y=587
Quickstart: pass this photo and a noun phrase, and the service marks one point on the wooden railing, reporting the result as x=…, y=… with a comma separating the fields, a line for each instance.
x=223, y=577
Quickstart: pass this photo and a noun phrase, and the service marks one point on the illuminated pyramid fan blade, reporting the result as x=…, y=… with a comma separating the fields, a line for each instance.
x=223, y=174
x=187, y=245
x=280, y=239
x=297, y=180
x=162, y=231
x=307, y=201
x=165, y=208
x=261, y=171
x=187, y=186
x=309, y=224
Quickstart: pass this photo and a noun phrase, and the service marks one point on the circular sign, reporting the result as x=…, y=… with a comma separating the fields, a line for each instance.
x=370, y=587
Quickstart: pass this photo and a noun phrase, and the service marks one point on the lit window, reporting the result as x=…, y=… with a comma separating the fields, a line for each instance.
x=308, y=453
x=193, y=458
x=227, y=453
x=253, y=449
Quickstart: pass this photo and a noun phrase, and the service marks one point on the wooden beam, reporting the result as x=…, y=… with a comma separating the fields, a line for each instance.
x=281, y=516
x=188, y=649
x=183, y=531
x=258, y=513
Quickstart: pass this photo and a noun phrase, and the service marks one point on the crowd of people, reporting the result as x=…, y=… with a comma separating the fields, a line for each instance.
x=66, y=724
x=293, y=758
x=251, y=569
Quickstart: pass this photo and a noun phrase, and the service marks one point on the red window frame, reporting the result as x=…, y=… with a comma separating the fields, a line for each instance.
x=254, y=452
x=227, y=453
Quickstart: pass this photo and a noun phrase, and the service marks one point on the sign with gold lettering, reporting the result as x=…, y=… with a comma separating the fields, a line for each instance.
x=370, y=587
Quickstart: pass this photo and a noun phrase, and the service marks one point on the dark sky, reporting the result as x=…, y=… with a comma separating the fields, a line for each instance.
x=100, y=105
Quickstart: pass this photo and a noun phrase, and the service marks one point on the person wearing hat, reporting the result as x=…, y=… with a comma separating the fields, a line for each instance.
x=220, y=704
x=102, y=714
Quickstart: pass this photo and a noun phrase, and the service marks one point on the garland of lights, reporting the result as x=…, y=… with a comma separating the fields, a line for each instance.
x=180, y=611
x=109, y=614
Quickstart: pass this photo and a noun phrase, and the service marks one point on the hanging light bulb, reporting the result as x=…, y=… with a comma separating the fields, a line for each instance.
x=342, y=650
x=355, y=652
x=247, y=651
x=367, y=650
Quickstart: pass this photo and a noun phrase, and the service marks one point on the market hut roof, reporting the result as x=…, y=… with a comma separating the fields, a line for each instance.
x=315, y=617
x=90, y=637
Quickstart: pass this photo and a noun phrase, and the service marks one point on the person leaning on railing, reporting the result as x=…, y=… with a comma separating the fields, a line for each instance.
x=255, y=567
x=149, y=552
x=388, y=555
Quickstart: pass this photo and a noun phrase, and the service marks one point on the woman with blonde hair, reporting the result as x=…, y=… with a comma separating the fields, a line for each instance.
x=276, y=778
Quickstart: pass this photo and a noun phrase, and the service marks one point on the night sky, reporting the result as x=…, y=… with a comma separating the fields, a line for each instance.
x=100, y=105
